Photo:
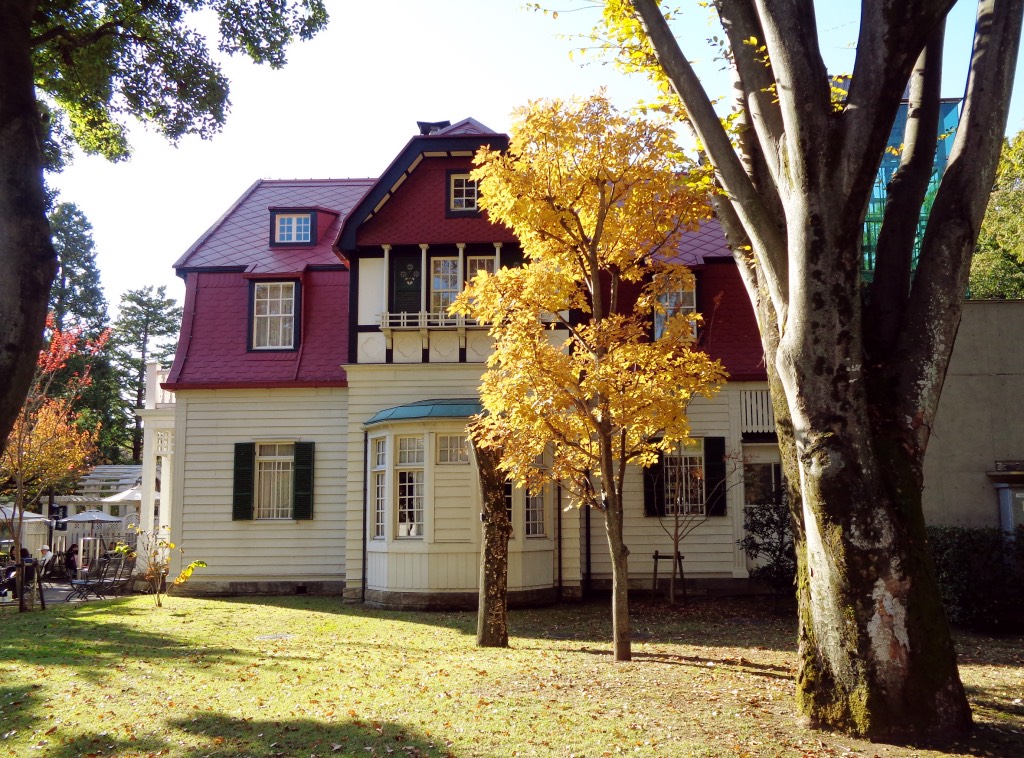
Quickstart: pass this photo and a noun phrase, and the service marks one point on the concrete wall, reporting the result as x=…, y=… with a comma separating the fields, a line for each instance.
x=981, y=415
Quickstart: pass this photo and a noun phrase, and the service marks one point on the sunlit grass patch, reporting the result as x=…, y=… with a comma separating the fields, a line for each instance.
x=314, y=677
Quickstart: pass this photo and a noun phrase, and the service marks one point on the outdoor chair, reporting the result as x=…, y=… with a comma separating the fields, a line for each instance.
x=92, y=583
x=53, y=569
x=119, y=577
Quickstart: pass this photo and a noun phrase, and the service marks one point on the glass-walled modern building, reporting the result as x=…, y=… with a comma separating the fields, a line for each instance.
x=949, y=118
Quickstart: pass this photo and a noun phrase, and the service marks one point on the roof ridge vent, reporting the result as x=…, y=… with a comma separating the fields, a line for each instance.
x=429, y=127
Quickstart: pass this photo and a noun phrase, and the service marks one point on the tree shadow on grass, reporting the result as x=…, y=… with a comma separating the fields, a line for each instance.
x=212, y=734
x=229, y=736
x=85, y=639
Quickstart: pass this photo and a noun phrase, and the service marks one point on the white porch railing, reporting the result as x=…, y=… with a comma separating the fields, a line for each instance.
x=156, y=397
x=756, y=416
x=424, y=320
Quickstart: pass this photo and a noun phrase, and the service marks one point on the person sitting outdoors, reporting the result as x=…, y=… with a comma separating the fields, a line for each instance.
x=10, y=582
x=71, y=562
x=45, y=556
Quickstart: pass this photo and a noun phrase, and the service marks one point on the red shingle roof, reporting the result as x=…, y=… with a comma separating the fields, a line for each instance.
x=241, y=237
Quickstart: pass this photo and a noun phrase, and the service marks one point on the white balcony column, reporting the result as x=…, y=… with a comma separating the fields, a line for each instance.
x=497, y=257
x=424, y=292
x=387, y=278
x=462, y=263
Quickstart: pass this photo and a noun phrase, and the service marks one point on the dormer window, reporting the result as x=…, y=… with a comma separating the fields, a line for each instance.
x=675, y=303
x=292, y=228
x=462, y=194
x=274, y=316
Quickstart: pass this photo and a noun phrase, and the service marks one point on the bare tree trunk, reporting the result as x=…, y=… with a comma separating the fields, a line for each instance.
x=28, y=262
x=492, y=611
x=621, y=641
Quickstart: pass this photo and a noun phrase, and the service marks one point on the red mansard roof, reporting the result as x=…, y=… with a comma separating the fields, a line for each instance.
x=730, y=330
x=240, y=239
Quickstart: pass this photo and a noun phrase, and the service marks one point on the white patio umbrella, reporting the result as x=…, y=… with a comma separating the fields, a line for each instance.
x=8, y=512
x=91, y=517
x=129, y=495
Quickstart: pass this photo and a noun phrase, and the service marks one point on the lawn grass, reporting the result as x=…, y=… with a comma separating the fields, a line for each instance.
x=302, y=676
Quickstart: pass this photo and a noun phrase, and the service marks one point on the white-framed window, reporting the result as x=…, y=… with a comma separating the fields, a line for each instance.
x=679, y=301
x=452, y=448
x=684, y=480
x=273, y=318
x=534, y=513
x=293, y=228
x=444, y=283
x=763, y=483
x=379, y=479
x=275, y=468
x=462, y=193
x=509, y=490
x=477, y=263
x=410, y=486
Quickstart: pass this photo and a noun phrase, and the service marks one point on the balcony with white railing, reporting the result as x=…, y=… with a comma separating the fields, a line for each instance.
x=156, y=396
x=426, y=320
x=756, y=414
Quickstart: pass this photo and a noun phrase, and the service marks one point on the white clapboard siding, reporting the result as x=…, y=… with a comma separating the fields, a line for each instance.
x=711, y=549
x=373, y=388
x=209, y=423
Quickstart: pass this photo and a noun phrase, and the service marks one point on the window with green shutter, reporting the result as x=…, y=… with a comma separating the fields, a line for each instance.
x=690, y=481
x=244, y=482
x=273, y=480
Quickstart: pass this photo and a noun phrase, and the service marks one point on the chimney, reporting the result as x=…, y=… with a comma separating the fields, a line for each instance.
x=429, y=127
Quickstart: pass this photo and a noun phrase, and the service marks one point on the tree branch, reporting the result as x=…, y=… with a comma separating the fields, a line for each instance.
x=892, y=35
x=802, y=86
x=77, y=41
x=936, y=300
x=756, y=83
x=906, y=193
x=759, y=225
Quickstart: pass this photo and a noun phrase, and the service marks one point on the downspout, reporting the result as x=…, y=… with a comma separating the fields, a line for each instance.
x=366, y=506
x=586, y=575
x=302, y=325
x=558, y=504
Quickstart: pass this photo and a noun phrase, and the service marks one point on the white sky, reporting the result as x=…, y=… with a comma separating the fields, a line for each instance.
x=348, y=101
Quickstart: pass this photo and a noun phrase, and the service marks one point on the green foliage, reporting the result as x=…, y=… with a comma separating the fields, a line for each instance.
x=76, y=298
x=77, y=302
x=769, y=537
x=144, y=332
x=997, y=271
x=981, y=576
x=97, y=63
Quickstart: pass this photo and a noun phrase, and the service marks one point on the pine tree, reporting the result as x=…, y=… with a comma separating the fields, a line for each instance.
x=79, y=306
x=147, y=320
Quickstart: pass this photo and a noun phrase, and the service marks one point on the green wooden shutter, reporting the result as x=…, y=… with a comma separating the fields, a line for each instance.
x=406, y=284
x=302, y=483
x=244, y=483
x=654, y=488
x=714, y=475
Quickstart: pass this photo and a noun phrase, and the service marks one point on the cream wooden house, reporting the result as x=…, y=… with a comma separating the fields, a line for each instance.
x=312, y=430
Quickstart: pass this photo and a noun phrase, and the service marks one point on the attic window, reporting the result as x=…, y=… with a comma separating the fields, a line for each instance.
x=292, y=228
x=461, y=194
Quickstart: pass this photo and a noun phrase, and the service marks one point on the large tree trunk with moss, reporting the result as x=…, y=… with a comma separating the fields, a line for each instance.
x=855, y=368
x=28, y=262
x=492, y=611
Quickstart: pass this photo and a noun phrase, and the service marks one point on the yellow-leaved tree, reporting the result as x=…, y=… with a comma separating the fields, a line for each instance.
x=579, y=373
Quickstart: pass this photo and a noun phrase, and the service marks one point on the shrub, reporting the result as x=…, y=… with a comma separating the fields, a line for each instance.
x=769, y=536
x=981, y=577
